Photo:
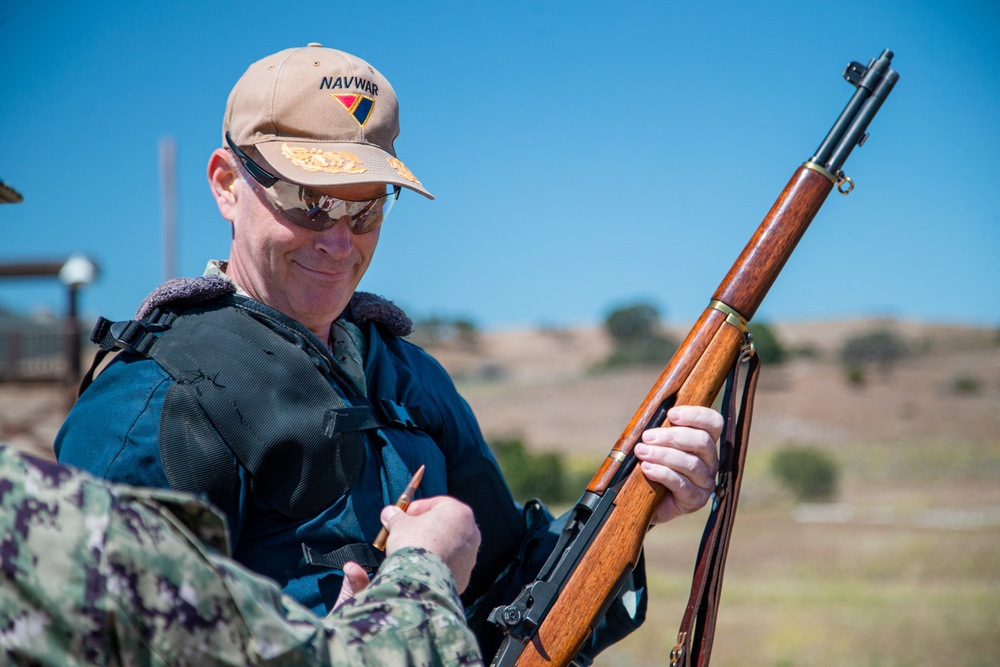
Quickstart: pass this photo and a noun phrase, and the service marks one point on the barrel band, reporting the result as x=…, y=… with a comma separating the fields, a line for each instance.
x=732, y=316
x=821, y=169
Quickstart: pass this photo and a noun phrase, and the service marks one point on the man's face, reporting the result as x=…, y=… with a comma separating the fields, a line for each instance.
x=307, y=275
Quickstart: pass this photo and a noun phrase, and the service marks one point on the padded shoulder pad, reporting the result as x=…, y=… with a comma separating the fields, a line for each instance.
x=185, y=292
x=366, y=307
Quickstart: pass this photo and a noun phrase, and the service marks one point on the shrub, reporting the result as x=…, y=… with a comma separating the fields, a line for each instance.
x=806, y=351
x=966, y=384
x=810, y=474
x=531, y=475
x=769, y=348
x=855, y=375
x=652, y=351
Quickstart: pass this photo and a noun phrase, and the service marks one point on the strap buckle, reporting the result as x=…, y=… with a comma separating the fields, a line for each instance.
x=130, y=335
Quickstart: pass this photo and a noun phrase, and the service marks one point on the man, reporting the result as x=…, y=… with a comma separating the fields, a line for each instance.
x=98, y=574
x=292, y=401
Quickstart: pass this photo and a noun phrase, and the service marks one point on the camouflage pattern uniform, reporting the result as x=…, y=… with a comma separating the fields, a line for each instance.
x=93, y=573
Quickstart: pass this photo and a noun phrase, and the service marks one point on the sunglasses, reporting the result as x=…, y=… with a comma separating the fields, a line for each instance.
x=314, y=210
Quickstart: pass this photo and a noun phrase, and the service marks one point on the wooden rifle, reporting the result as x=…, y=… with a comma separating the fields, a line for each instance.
x=553, y=616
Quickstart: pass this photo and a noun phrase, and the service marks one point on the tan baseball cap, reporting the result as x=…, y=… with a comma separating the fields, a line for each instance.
x=319, y=117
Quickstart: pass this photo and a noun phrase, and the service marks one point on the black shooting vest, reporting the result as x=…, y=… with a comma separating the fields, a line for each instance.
x=261, y=382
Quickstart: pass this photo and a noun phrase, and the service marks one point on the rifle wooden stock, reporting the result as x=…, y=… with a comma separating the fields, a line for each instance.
x=694, y=376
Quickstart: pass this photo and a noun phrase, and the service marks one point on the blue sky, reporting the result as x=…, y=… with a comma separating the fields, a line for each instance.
x=583, y=154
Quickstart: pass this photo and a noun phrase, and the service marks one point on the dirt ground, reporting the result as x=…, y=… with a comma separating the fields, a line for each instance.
x=31, y=413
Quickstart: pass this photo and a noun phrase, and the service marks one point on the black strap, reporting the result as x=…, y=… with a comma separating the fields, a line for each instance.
x=697, y=630
x=366, y=417
x=88, y=377
x=133, y=335
x=361, y=553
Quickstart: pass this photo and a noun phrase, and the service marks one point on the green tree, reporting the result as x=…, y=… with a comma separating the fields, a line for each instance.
x=437, y=329
x=466, y=331
x=635, y=322
x=638, y=336
x=880, y=349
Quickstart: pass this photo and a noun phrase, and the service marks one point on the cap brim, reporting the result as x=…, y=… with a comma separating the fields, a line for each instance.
x=323, y=164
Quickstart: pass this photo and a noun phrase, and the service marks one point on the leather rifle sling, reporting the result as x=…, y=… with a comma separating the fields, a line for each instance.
x=697, y=630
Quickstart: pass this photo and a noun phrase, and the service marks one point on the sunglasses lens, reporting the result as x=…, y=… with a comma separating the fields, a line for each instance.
x=317, y=212
x=313, y=210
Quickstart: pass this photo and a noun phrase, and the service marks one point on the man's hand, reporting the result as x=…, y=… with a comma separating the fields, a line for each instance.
x=355, y=581
x=683, y=458
x=442, y=525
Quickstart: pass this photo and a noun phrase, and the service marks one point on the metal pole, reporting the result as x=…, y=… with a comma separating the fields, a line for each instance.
x=72, y=338
x=168, y=173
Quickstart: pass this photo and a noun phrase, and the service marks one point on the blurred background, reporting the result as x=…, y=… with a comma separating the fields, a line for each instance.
x=589, y=161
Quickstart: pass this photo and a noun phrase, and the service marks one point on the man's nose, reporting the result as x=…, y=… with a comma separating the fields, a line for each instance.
x=337, y=239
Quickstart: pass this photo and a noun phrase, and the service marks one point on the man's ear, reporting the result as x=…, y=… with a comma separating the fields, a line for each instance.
x=222, y=180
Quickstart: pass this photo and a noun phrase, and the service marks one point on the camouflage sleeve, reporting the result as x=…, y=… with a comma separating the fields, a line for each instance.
x=95, y=574
x=409, y=614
